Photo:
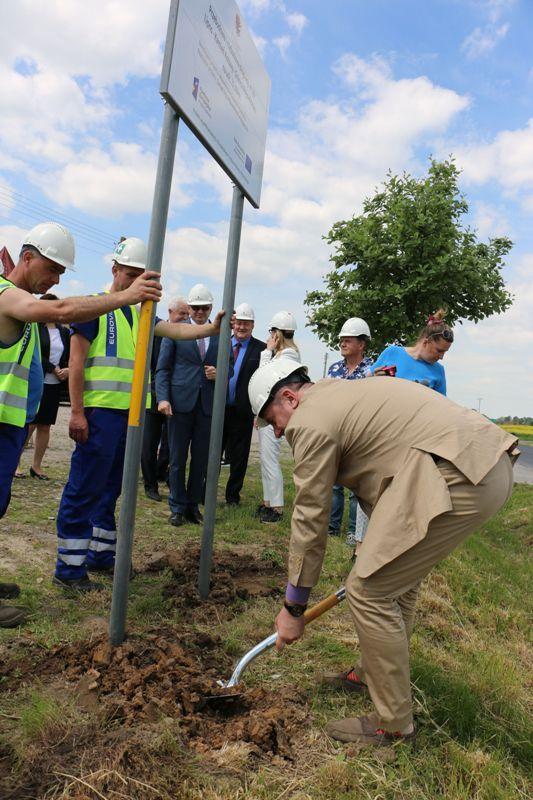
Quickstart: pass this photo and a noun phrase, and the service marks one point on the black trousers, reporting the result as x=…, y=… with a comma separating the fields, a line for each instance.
x=154, y=467
x=236, y=441
x=188, y=430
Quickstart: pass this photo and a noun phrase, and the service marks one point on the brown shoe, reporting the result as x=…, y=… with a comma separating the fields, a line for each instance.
x=9, y=590
x=365, y=730
x=11, y=617
x=345, y=680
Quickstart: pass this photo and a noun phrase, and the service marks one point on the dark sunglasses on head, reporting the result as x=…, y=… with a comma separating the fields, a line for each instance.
x=445, y=334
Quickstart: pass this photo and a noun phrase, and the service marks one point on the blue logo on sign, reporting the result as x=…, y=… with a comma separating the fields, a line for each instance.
x=248, y=164
x=195, y=87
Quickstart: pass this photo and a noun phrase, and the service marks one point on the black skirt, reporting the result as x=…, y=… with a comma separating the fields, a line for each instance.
x=47, y=413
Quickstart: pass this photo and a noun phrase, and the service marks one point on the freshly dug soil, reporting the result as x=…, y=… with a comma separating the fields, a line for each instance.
x=238, y=574
x=146, y=681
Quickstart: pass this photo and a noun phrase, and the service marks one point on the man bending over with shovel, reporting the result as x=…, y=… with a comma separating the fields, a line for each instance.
x=427, y=471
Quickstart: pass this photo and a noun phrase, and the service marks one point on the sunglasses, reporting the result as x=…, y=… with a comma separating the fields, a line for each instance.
x=445, y=334
x=201, y=308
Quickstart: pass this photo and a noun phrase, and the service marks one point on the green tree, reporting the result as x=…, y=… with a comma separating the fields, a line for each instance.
x=408, y=254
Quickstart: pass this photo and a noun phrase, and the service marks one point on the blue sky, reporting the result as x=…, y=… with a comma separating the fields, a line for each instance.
x=358, y=88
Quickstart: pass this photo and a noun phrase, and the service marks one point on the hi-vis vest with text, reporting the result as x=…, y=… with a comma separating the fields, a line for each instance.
x=15, y=361
x=108, y=372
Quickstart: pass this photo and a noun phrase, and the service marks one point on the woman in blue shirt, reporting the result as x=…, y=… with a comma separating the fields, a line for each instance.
x=419, y=362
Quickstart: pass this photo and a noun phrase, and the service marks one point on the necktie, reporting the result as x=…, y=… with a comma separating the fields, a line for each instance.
x=201, y=348
x=236, y=351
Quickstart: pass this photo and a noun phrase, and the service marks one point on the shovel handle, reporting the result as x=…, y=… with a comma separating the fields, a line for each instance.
x=324, y=605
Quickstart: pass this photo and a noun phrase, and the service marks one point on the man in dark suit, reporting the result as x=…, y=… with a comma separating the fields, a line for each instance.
x=239, y=418
x=154, y=466
x=185, y=380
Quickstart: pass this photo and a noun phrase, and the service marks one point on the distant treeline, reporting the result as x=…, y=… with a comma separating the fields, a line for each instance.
x=514, y=421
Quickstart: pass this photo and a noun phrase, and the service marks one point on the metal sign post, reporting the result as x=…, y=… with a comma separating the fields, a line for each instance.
x=143, y=351
x=221, y=388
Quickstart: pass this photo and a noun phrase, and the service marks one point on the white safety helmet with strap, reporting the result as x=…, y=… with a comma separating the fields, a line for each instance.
x=200, y=296
x=355, y=326
x=283, y=321
x=131, y=252
x=265, y=379
x=53, y=241
x=244, y=311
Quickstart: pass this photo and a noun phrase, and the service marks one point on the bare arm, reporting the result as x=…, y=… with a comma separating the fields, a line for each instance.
x=22, y=306
x=185, y=331
x=78, y=428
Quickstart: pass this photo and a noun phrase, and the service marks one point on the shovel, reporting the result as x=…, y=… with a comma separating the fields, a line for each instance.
x=309, y=615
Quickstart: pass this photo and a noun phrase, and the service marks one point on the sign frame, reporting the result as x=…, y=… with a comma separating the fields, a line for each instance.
x=165, y=90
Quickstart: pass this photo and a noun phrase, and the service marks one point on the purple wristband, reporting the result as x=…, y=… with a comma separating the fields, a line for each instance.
x=297, y=594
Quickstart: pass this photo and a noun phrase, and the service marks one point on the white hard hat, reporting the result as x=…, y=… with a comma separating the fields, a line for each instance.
x=200, y=296
x=265, y=378
x=283, y=321
x=131, y=252
x=244, y=311
x=355, y=326
x=53, y=241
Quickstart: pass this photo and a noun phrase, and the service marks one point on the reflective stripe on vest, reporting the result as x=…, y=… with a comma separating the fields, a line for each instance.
x=15, y=361
x=108, y=372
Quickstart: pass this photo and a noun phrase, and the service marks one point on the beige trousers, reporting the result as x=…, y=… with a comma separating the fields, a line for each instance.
x=383, y=604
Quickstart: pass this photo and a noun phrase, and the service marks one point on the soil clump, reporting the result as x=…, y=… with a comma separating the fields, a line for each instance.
x=162, y=677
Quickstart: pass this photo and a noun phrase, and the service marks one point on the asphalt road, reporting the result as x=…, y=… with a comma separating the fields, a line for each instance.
x=523, y=469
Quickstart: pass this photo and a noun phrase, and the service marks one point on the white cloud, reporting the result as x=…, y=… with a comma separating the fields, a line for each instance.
x=297, y=22
x=104, y=40
x=113, y=182
x=43, y=111
x=282, y=43
x=482, y=40
x=507, y=159
x=12, y=236
x=490, y=221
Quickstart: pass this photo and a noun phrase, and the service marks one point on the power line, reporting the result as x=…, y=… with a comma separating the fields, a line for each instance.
x=82, y=245
x=49, y=210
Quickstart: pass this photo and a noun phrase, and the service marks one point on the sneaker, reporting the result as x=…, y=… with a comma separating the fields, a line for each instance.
x=348, y=680
x=260, y=508
x=77, y=585
x=365, y=730
x=351, y=541
x=11, y=616
x=9, y=590
x=270, y=515
x=334, y=532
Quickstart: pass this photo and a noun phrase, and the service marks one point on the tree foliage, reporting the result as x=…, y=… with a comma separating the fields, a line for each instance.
x=405, y=256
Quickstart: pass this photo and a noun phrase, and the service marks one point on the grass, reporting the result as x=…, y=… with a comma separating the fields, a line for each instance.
x=471, y=662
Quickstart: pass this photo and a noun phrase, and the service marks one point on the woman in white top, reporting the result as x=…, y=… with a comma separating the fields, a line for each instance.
x=281, y=344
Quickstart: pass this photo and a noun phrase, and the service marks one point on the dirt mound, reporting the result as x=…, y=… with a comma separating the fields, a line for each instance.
x=162, y=674
x=238, y=574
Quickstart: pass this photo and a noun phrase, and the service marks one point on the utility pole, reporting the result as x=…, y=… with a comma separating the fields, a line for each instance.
x=479, y=404
x=325, y=364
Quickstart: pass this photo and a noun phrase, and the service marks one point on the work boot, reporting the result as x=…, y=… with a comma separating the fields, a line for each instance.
x=77, y=585
x=11, y=616
x=349, y=681
x=366, y=731
x=153, y=494
x=9, y=590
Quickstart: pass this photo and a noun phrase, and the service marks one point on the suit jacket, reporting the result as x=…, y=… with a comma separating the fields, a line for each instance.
x=156, y=349
x=378, y=437
x=250, y=364
x=180, y=376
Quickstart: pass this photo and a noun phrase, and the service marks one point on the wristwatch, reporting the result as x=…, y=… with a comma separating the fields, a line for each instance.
x=294, y=610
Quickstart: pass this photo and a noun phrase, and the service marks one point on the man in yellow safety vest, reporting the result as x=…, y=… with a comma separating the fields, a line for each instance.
x=47, y=251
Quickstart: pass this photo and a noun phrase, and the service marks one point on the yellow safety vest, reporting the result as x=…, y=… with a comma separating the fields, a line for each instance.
x=15, y=361
x=108, y=372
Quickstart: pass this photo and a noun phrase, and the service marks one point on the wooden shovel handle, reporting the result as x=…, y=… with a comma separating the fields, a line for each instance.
x=323, y=606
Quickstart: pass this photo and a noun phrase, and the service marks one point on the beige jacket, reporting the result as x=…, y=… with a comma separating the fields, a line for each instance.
x=376, y=435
